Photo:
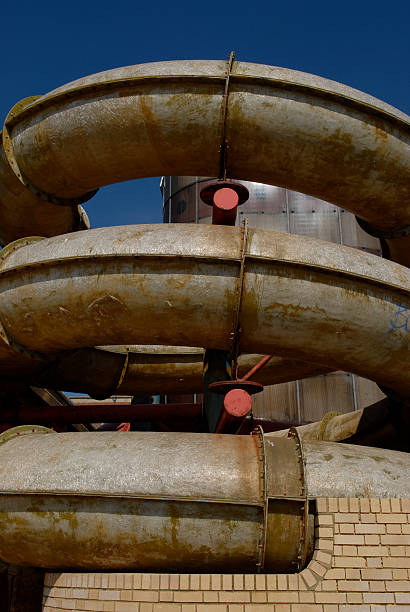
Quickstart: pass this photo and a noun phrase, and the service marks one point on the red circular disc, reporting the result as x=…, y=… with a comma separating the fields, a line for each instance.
x=226, y=198
x=237, y=403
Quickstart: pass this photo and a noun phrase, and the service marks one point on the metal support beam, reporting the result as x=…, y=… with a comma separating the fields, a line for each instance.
x=216, y=367
x=94, y=413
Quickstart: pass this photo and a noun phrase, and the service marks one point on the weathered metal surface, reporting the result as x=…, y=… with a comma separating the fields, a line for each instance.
x=287, y=537
x=149, y=465
x=256, y=368
x=134, y=501
x=338, y=143
x=300, y=297
x=128, y=534
x=332, y=428
x=23, y=430
x=333, y=469
x=142, y=502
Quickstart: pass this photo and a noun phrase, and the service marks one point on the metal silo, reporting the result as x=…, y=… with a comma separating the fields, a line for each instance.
x=279, y=209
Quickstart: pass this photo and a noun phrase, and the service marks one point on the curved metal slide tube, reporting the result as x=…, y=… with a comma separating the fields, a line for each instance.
x=283, y=127
x=297, y=297
x=102, y=373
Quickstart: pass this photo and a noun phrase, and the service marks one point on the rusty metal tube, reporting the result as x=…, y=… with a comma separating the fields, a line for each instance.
x=331, y=130
x=237, y=502
x=333, y=427
x=134, y=370
x=296, y=297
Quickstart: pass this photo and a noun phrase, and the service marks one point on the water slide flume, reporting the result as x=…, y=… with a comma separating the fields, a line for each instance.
x=133, y=500
x=322, y=137
x=284, y=127
x=127, y=370
x=297, y=297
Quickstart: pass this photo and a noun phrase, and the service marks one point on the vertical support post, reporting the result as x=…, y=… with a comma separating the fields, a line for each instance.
x=217, y=364
x=26, y=585
x=4, y=588
x=216, y=367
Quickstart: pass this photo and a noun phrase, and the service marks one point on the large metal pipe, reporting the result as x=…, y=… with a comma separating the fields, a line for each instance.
x=334, y=469
x=134, y=370
x=186, y=502
x=290, y=295
x=284, y=127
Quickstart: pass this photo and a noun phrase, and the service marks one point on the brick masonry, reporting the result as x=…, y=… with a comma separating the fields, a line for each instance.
x=361, y=562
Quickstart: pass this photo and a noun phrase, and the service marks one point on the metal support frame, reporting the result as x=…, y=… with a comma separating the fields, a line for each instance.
x=110, y=412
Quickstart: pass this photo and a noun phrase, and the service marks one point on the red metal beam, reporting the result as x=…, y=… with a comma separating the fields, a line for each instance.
x=255, y=368
x=100, y=413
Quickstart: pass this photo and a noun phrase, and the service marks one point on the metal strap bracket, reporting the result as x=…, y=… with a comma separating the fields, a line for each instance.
x=302, y=553
x=237, y=327
x=224, y=143
x=263, y=529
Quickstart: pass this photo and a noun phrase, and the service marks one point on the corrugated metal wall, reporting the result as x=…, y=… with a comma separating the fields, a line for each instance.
x=282, y=210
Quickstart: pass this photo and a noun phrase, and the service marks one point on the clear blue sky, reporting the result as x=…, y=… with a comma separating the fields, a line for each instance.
x=365, y=44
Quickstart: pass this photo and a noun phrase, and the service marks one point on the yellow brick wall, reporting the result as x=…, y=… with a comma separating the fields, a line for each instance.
x=361, y=562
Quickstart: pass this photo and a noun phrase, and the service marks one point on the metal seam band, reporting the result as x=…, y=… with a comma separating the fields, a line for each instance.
x=123, y=371
x=224, y=144
x=241, y=279
x=302, y=552
x=383, y=234
x=264, y=494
